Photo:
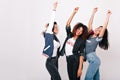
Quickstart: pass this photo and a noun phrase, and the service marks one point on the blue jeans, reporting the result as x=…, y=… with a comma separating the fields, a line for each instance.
x=93, y=68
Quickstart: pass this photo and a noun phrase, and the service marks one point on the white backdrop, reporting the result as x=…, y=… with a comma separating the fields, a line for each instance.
x=21, y=42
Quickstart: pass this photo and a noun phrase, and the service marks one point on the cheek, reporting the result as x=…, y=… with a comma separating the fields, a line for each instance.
x=79, y=32
x=56, y=30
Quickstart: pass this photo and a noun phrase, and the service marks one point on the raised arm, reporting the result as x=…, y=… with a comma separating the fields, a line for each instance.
x=71, y=17
x=52, y=19
x=105, y=24
x=91, y=19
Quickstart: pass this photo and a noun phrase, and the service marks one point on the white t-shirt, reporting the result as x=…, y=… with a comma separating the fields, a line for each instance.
x=69, y=46
x=56, y=46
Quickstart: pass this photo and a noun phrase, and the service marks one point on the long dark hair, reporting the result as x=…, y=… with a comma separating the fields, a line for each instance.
x=55, y=37
x=104, y=44
x=55, y=23
x=85, y=30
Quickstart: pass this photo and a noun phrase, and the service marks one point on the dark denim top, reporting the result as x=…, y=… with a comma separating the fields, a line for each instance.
x=79, y=46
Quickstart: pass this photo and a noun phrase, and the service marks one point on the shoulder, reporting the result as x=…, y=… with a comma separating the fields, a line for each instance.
x=48, y=35
x=99, y=39
x=80, y=40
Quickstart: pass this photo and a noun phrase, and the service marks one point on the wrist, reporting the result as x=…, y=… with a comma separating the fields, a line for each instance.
x=79, y=69
x=74, y=12
x=54, y=9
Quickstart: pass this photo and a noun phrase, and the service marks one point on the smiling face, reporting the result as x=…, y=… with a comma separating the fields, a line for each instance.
x=55, y=29
x=79, y=31
x=97, y=30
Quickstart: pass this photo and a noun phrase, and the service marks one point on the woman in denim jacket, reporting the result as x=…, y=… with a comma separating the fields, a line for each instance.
x=52, y=45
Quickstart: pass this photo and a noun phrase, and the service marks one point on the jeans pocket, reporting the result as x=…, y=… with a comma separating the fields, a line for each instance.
x=90, y=58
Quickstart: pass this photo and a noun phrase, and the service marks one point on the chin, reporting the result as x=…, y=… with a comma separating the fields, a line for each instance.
x=78, y=34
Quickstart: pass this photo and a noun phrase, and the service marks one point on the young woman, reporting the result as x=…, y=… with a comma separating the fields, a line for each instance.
x=73, y=47
x=98, y=36
x=52, y=45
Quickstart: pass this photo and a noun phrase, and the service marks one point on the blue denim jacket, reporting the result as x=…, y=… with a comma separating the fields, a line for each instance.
x=49, y=45
x=48, y=48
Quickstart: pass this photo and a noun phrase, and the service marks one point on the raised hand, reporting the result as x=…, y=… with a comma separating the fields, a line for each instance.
x=79, y=72
x=76, y=9
x=46, y=25
x=55, y=5
x=95, y=10
x=109, y=12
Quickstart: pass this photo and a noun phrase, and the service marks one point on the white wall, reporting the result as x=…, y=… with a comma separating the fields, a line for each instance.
x=21, y=42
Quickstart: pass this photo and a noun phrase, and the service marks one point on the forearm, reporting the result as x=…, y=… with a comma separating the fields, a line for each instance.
x=104, y=26
x=72, y=15
x=91, y=19
x=91, y=22
x=106, y=21
x=70, y=19
x=81, y=59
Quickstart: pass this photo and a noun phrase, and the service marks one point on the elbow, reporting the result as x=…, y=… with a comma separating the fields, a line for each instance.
x=68, y=24
x=82, y=58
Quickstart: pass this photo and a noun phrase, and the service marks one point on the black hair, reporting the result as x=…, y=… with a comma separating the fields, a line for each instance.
x=104, y=44
x=85, y=30
x=55, y=23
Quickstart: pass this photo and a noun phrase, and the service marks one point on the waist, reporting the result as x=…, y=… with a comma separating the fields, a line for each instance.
x=72, y=55
x=91, y=53
x=52, y=57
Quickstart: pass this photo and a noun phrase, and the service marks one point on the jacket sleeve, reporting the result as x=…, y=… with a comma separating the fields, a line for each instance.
x=58, y=53
x=79, y=47
x=82, y=51
x=51, y=23
x=68, y=30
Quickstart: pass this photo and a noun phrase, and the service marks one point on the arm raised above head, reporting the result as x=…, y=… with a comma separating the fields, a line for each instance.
x=52, y=19
x=105, y=23
x=91, y=19
x=71, y=16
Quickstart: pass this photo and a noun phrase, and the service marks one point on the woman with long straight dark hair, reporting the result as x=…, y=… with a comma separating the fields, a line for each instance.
x=97, y=37
x=52, y=45
x=74, y=46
